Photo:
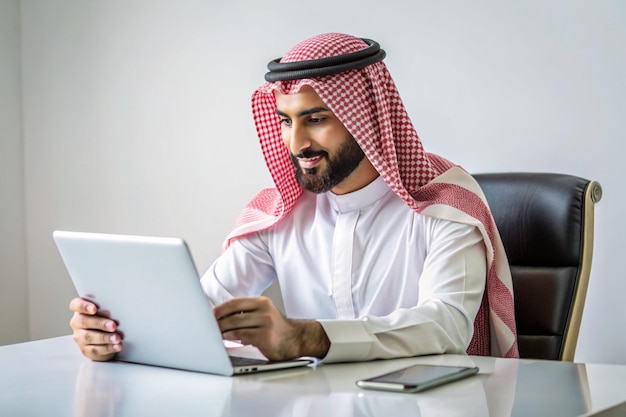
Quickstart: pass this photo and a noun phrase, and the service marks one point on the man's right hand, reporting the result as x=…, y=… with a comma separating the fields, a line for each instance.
x=95, y=332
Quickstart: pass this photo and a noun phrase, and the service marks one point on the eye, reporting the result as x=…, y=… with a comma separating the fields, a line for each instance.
x=285, y=121
x=316, y=120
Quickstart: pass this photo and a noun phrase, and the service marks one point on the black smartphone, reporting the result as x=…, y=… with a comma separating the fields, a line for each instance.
x=417, y=378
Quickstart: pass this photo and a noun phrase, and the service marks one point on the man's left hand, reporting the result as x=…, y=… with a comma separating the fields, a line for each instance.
x=256, y=321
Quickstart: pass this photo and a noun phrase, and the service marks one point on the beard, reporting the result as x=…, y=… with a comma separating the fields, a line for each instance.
x=348, y=157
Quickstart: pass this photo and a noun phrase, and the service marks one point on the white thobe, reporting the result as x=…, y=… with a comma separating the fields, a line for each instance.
x=383, y=280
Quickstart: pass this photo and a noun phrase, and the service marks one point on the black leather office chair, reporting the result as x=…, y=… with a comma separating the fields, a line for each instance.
x=546, y=224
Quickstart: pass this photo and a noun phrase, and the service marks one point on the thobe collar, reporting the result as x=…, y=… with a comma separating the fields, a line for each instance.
x=356, y=200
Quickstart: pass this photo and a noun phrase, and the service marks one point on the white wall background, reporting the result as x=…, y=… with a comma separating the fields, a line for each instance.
x=136, y=118
x=13, y=290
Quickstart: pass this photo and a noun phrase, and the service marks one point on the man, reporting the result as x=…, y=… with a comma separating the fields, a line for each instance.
x=381, y=250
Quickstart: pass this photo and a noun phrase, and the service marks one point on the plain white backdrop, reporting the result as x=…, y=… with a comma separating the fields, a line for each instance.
x=134, y=117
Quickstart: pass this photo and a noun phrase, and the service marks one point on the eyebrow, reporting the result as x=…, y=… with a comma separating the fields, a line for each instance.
x=305, y=111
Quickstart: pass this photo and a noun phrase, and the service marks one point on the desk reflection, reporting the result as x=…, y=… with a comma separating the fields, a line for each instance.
x=341, y=397
x=543, y=385
x=121, y=389
x=503, y=388
x=106, y=389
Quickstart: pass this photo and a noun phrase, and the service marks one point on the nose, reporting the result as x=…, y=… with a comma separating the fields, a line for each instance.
x=296, y=138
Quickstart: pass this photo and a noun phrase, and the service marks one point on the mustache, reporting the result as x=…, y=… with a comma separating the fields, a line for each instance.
x=308, y=153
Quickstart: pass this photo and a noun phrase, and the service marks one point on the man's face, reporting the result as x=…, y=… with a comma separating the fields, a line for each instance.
x=322, y=149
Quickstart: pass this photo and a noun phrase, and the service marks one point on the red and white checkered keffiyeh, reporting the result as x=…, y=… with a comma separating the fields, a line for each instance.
x=368, y=104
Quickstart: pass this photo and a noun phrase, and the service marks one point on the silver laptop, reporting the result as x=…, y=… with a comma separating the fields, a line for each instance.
x=151, y=287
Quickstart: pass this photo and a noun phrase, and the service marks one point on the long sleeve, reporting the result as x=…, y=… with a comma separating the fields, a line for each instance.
x=245, y=269
x=450, y=292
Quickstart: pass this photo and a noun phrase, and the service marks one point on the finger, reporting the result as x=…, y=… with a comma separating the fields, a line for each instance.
x=79, y=305
x=97, y=345
x=83, y=321
x=236, y=321
x=238, y=305
x=231, y=307
x=94, y=337
x=100, y=352
x=244, y=336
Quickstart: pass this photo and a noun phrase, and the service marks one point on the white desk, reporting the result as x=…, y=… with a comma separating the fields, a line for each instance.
x=51, y=378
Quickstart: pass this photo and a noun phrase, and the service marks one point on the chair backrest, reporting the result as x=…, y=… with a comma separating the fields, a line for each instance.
x=546, y=224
